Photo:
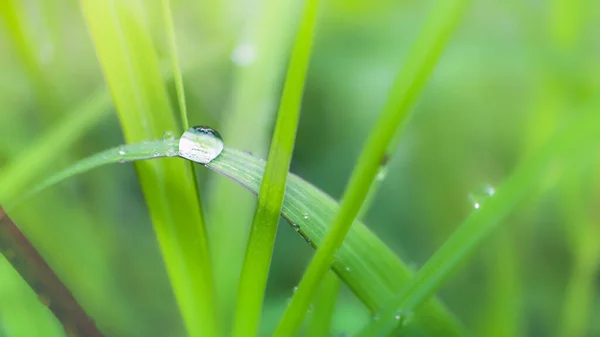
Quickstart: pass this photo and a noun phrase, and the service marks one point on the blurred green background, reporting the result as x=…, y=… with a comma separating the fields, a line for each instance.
x=512, y=75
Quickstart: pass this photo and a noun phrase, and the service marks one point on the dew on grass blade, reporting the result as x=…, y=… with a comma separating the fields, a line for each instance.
x=478, y=197
x=200, y=144
x=168, y=135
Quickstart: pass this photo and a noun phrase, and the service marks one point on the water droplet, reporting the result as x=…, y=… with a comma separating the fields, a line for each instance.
x=244, y=54
x=376, y=317
x=308, y=240
x=381, y=174
x=348, y=268
x=403, y=315
x=295, y=289
x=305, y=216
x=295, y=227
x=122, y=153
x=168, y=135
x=200, y=144
x=479, y=196
x=171, y=152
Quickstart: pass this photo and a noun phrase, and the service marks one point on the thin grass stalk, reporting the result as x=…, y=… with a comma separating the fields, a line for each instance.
x=575, y=140
x=178, y=78
x=257, y=261
x=246, y=125
x=405, y=90
x=131, y=69
x=51, y=292
x=322, y=317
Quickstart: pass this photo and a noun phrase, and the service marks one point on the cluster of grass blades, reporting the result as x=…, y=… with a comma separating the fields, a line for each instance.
x=346, y=250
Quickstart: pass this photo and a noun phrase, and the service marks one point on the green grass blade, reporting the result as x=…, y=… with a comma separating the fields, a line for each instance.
x=579, y=142
x=257, y=261
x=406, y=88
x=247, y=124
x=120, y=154
x=371, y=270
x=132, y=73
x=170, y=27
x=322, y=315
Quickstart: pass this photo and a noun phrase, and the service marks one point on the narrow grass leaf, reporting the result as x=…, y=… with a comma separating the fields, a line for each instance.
x=170, y=28
x=324, y=307
x=579, y=142
x=131, y=69
x=369, y=268
x=260, y=59
x=257, y=261
x=405, y=90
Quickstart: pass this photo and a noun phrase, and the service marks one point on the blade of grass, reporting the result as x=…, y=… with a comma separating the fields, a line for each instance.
x=324, y=306
x=257, y=260
x=580, y=140
x=581, y=233
x=131, y=70
x=406, y=88
x=170, y=28
x=40, y=277
x=13, y=15
x=248, y=126
x=370, y=269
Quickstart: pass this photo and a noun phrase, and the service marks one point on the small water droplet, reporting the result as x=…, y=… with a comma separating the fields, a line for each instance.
x=295, y=289
x=295, y=227
x=480, y=195
x=168, y=135
x=244, y=54
x=305, y=216
x=171, y=152
x=376, y=317
x=308, y=240
x=347, y=268
x=381, y=174
x=200, y=144
x=122, y=151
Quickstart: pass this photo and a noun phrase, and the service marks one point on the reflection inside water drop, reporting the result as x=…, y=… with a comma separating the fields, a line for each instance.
x=480, y=195
x=200, y=144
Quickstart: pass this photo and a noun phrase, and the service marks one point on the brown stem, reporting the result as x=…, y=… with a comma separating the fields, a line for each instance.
x=35, y=271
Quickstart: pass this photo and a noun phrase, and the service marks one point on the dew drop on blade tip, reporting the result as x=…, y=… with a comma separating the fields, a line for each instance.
x=200, y=144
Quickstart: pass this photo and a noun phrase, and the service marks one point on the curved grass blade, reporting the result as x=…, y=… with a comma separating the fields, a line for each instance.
x=579, y=142
x=129, y=62
x=405, y=90
x=259, y=250
x=371, y=270
x=120, y=154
